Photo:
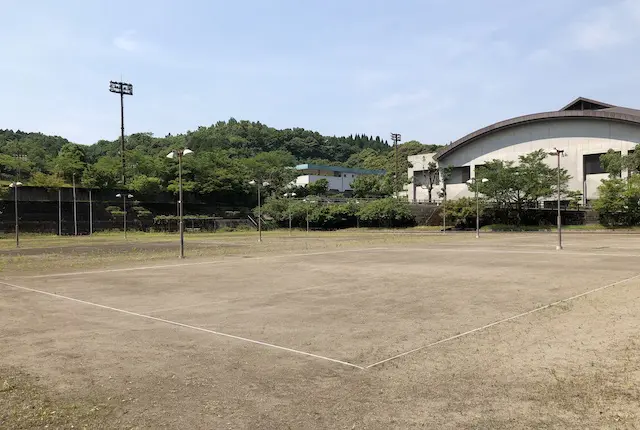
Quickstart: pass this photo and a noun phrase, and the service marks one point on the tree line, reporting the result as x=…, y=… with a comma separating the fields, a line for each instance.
x=227, y=155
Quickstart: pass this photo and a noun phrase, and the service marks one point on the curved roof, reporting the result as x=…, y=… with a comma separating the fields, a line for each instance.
x=614, y=114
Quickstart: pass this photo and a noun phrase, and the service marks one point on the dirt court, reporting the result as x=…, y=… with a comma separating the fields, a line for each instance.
x=498, y=332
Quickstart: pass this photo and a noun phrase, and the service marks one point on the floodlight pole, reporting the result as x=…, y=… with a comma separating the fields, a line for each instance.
x=395, y=137
x=558, y=153
x=123, y=89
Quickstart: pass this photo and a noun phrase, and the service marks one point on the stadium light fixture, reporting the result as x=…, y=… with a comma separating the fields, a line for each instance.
x=15, y=185
x=124, y=196
x=259, y=185
x=474, y=182
x=179, y=153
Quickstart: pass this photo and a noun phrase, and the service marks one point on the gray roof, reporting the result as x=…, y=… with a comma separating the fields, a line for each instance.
x=598, y=110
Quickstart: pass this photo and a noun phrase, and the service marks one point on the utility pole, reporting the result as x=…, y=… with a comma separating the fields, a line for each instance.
x=123, y=89
x=396, y=138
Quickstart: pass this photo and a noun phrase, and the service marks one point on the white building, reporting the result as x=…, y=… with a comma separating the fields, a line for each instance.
x=339, y=178
x=585, y=129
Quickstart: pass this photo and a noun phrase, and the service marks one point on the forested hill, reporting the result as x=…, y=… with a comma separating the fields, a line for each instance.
x=226, y=155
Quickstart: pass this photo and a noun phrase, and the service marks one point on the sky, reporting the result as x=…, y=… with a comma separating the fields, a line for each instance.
x=432, y=70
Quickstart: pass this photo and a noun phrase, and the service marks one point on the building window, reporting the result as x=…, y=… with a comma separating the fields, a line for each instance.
x=592, y=165
x=459, y=175
x=337, y=174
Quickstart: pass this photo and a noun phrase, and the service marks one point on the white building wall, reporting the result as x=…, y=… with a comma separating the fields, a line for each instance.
x=416, y=192
x=341, y=184
x=577, y=137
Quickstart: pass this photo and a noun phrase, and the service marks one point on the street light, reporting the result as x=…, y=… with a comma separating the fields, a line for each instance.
x=124, y=209
x=264, y=184
x=123, y=89
x=15, y=186
x=474, y=183
x=396, y=137
x=558, y=153
x=289, y=196
x=308, y=201
x=173, y=154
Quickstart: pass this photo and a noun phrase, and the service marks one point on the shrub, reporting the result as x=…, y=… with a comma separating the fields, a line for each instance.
x=386, y=213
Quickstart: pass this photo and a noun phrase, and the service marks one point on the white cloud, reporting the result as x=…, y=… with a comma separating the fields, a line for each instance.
x=126, y=41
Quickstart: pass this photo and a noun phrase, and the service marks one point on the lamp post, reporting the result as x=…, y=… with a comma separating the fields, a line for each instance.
x=308, y=201
x=474, y=183
x=90, y=214
x=75, y=208
x=123, y=89
x=59, y=211
x=558, y=153
x=289, y=196
x=15, y=185
x=124, y=210
x=264, y=184
x=173, y=154
x=396, y=137
x=444, y=207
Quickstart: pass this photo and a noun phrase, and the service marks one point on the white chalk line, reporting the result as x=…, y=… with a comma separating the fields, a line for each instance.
x=511, y=318
x=179, y=324
x=197, y=263
x=550, y=252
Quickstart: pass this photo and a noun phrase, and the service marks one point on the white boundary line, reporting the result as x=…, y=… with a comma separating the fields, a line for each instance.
x=226, y=261
x=179, y=324
x=549, y=252
x=514, y=317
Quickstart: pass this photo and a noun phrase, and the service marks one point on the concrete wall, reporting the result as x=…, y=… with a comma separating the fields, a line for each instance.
x=577, y=137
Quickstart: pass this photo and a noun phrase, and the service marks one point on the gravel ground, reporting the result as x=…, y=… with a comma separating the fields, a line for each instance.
x=358, y=334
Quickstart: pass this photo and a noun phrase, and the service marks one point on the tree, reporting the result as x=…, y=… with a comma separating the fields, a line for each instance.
x=105, y=173
x=387, y=212
x=44, y=180
x=462, y=212
x=319, y=187
x=70, y=162
x=521, y=185
x=612, y=162
x=146, y=185
x=575, y=199
x=372, y=186
x=618, y=202
x=430, y=177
